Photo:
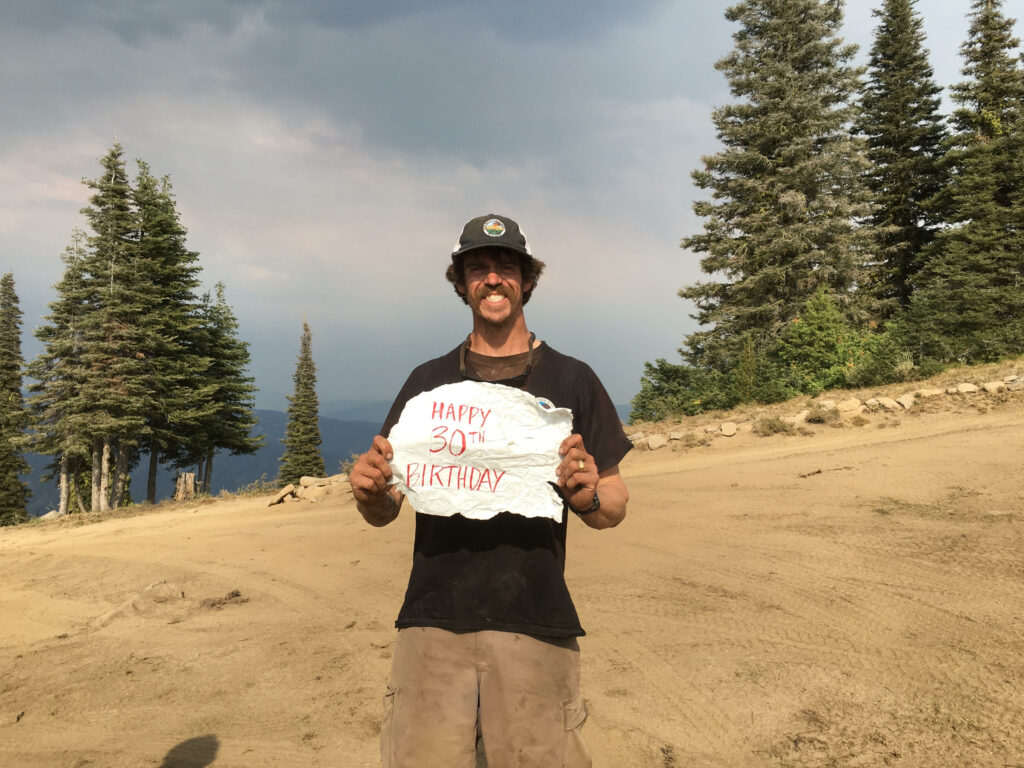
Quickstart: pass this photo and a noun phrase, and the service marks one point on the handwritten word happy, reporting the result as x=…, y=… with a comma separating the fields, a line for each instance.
x=452, y=412
x=452, y=476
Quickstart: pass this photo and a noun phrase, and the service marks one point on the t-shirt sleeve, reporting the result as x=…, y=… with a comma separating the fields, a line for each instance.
x=408, y=391
x=597, y=421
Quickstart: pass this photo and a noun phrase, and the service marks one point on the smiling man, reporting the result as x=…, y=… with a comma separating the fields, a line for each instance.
x=487, y=634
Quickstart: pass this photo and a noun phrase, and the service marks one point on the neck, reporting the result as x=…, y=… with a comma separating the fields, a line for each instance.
x=500, y=340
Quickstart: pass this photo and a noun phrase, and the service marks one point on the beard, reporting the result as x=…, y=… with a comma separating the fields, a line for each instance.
x=479, y=304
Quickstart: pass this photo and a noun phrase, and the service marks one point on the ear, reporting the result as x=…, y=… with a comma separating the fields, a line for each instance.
x=460, y=287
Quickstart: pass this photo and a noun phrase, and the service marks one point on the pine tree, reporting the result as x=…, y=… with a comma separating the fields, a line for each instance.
x=970, y=304
x=787, y=190
x=904, y=130
x=302, y=435
x=13, y=490
x=117, y=392
x=228, y=420
x=169, y=278
x=57, y=429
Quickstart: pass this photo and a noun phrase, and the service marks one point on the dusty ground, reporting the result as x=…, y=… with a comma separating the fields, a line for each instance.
x=851, y=598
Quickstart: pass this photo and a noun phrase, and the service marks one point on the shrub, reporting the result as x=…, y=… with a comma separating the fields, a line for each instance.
x=772, y=425
x=819, y=414
x=345, y=465
x=818, y=348
x=667, y=389
x=881, y=360
x=256, y=487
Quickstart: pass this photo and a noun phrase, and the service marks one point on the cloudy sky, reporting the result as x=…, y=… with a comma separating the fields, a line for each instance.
x=326, y=155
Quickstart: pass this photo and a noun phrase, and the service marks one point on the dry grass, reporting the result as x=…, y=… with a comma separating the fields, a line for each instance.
x=772, y=425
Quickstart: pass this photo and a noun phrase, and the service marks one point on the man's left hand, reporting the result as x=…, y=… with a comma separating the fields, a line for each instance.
x=577, y=473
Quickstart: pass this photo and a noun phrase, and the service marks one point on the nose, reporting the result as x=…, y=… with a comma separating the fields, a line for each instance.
x=493, y=278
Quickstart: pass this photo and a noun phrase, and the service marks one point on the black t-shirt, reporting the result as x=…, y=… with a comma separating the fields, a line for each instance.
x=505, y=573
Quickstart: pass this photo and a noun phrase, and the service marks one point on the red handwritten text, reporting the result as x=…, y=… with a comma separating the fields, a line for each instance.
x=452, y=476
x=460, y=413
x=455, y=441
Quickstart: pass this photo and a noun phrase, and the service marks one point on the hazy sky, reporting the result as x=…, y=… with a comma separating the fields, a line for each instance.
x=326, y=155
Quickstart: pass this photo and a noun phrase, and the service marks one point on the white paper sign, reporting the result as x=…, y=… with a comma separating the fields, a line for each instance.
x=477, y=449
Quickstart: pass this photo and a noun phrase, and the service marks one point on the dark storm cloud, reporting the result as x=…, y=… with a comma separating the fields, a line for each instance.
x=483, y=84
x=135, y=21
x=523, y=20
x=130, y=20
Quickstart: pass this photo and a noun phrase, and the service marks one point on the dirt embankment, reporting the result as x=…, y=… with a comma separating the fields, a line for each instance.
x=850, y=598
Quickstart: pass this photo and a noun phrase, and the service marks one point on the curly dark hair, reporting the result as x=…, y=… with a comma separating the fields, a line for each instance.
x=530, y=267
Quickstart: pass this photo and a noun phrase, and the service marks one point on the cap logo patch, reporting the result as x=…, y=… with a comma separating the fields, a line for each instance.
x=494, y=228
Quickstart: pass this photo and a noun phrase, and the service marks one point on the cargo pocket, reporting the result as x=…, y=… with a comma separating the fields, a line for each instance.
x=387, y=747
x=574, y=715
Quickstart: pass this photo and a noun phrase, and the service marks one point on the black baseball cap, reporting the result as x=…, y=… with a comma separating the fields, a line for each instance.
x=492, y=231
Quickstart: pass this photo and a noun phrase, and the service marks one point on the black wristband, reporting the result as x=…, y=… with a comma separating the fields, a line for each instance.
x=596, y=505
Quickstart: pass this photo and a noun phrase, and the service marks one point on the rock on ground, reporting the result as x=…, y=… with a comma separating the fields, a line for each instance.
x=282, y=494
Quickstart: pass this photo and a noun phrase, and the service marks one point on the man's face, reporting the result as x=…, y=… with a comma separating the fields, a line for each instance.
x=493, y=281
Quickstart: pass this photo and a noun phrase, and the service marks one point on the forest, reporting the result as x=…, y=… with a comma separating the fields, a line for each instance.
x=852, y=234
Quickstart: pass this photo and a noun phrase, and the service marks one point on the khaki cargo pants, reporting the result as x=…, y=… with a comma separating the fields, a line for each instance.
x=523, y=693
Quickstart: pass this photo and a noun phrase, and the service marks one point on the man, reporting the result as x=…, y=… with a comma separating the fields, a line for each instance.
x=487, y=632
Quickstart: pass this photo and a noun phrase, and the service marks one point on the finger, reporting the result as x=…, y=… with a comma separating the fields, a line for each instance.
x=575, y=440
x=383, y=447
x=578, y=480
x=575, y=463
x=577, y=460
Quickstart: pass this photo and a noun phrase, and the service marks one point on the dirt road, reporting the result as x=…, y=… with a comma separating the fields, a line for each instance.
x=853, y=598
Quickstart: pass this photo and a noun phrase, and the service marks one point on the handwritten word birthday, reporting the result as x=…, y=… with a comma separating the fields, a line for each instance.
x=452, y=476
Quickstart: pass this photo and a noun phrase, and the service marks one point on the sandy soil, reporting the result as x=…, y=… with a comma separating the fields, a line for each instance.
x=851, y=598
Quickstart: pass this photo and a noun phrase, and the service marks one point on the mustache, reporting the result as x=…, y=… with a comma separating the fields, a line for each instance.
x=484, y=291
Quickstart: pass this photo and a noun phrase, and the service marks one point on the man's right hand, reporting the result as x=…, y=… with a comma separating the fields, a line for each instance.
x=377, y=501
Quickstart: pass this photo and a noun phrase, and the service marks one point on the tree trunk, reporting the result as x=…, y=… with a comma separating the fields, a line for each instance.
x=154, y=462
x=78, y=493
x=185, y=486
x=62, y=509
x=208, y=472
x=97, y=473
x=199, y=474
x=105, y=477
x=120, y=476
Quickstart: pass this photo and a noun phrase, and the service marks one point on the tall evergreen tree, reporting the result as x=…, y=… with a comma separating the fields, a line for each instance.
x=169, y=279
x=970, y=306
x=58, y=428
x=228, y=420
x=904, y=130
x=117, y=394
x=787, y=189
x=13, y=490
x=302, y=435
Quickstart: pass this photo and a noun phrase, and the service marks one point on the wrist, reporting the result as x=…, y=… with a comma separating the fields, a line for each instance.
x=589, y=507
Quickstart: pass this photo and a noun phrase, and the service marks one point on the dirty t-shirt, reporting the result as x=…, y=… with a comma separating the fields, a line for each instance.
x=505, y=573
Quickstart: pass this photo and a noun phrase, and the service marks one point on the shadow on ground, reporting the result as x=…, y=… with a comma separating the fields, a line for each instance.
x=194, y=753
